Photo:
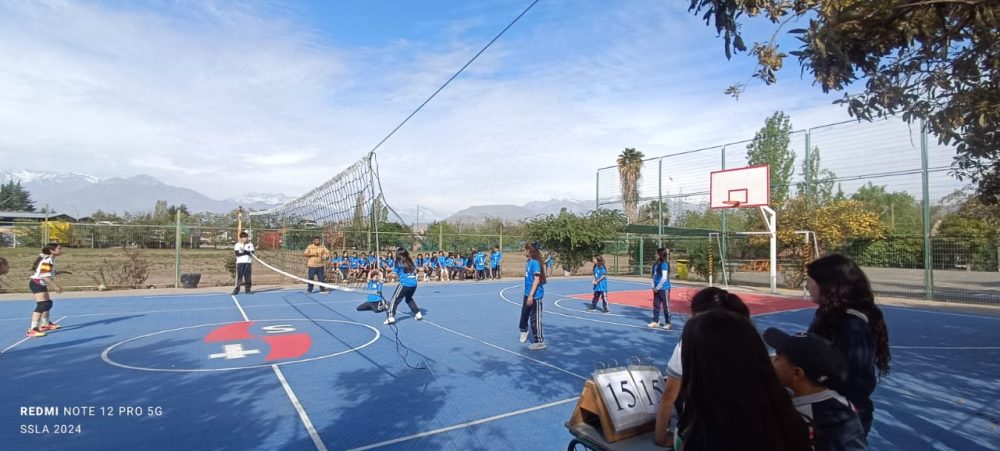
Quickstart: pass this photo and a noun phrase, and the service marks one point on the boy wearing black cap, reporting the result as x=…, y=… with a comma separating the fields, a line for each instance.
x=807, y=364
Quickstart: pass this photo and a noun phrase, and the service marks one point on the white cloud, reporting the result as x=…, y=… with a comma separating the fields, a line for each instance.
x=204, y=94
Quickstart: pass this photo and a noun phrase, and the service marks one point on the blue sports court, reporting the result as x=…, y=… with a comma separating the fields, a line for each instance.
x=282, y=370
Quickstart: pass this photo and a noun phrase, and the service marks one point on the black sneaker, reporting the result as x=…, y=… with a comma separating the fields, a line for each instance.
x=605, y=310
x=236, y=291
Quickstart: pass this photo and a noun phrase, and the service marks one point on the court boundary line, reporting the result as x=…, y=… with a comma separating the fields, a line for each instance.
x=464, y=425
x=8, y=348
x=313, y=434
x=200, y=309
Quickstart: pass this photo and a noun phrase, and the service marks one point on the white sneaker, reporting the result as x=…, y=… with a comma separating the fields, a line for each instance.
x=667, y=326
x=419, y=316
x=523, y=338
x=536, y=346
x=654, y=324
x=389, y=320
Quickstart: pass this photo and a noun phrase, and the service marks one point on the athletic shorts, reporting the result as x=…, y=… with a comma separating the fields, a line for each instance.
x=36, y=287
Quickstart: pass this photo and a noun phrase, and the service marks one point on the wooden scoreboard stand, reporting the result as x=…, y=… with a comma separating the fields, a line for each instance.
x=619, y=403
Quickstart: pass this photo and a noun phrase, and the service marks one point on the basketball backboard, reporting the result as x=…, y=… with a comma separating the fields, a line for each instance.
x=741, y=187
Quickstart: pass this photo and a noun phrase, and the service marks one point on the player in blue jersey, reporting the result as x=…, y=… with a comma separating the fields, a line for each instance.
x=407, y=274
x=661, y=290
x=534, y=290
x=494, y=262
x=444, y=267
x=480, y=265
x=374, y=289
x=600, y=284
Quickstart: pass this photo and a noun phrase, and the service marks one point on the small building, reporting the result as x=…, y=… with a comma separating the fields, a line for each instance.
x=8, y=218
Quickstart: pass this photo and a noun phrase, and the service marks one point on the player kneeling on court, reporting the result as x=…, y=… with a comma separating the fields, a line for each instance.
x=375, y=302
x=43, y=278
x=807, y=364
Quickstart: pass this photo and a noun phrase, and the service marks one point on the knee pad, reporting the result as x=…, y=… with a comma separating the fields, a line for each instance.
x=42, y=307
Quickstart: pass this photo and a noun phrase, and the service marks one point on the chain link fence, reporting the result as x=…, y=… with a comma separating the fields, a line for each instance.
x=98, y=256
x=924, y=246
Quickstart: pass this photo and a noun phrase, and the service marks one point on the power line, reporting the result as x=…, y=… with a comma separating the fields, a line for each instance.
x=453, y=76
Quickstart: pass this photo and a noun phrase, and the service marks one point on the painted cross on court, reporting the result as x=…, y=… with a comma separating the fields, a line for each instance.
x=283, y=341
x=234, y=351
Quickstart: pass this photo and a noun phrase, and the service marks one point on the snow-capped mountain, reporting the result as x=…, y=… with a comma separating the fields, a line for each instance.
x=261, y=198
x=81, y=195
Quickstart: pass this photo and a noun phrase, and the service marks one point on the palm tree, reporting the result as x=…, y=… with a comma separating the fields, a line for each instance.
x=629, y=173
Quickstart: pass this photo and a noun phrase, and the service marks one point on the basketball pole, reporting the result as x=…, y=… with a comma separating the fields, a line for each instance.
x=771, y=219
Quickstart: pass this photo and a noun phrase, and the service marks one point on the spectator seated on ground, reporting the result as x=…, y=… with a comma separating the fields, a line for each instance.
x=806, y=363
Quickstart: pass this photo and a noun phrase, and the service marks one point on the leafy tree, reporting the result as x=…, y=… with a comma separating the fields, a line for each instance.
x=968, y=235
x=13, y=197
x=629, y=174
x=817, y=183
x=899, y=212
x=835, y=224
x=649, y=213
x=770, y=146
x=576, y=238
x=100, y=215
x=937, y=60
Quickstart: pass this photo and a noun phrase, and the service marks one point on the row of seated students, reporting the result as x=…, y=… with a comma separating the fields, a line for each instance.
x=441, y=266
x=814, y=394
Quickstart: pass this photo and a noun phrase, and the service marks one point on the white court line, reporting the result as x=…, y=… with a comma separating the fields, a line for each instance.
x=643, y=327
x=951, y=348
x=508, y=350
x=585, y=312
x=8, y=348
x=910, y=309
x=464, y=425
x=182, y=310
x=291, y=394
x=298, y=407
x=242, y=312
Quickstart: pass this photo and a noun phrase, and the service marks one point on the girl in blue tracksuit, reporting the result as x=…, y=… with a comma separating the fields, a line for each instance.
x=661, y=290
x=534, y=290
x=600, y=284
x=407, y=273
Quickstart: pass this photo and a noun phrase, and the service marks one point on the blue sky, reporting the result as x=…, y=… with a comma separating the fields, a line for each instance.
x=232, y=97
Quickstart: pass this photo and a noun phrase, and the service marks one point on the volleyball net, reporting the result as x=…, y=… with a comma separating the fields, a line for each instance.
x=334, y=235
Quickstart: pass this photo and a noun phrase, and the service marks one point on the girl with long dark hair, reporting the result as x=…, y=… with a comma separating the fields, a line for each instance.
x=706, y=300
x=534, y=290
x=407, y=274
x=733, y=397
x=848, y=317
x=661, y=290
x=600, y=284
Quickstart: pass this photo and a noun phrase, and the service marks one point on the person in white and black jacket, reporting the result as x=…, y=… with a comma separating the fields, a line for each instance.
x=243, y=250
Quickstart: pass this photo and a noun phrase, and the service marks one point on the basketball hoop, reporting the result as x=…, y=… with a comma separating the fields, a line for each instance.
x=732, y=203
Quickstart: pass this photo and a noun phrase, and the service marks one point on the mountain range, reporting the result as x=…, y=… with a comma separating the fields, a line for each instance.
x=81, y=195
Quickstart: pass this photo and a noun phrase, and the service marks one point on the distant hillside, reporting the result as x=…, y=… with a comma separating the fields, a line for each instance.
x=479, y=213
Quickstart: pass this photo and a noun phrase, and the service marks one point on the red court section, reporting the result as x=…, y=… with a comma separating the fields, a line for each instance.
x=680, y=300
